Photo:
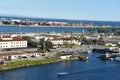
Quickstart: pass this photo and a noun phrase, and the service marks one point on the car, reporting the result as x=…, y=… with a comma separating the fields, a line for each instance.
x=24, y=56
x=33, y=56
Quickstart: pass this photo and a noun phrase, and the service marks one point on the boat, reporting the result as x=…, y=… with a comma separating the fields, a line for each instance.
x=61, y=73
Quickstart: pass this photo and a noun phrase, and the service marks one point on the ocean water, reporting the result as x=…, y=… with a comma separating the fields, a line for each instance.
x=93, y=69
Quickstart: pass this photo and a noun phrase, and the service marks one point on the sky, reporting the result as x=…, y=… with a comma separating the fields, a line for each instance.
x=105, y=10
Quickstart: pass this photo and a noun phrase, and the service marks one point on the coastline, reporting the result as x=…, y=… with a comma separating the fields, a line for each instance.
x=26, y=63
x=60, y=26
x=30, y=63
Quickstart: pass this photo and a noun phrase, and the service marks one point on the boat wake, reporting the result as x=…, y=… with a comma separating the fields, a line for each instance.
x=62, y=73
x=94, y=71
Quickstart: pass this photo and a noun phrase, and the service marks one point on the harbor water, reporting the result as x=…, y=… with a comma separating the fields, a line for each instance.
x=93, y=69
x=26, y=29
x=13, y=29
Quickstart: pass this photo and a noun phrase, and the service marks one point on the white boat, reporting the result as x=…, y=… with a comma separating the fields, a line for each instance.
x=61, y=73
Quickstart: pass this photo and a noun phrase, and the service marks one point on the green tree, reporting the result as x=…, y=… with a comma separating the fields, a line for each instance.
x=83, y=38
x=31, y=43
x=42, y=43
x=113, y=30
x=101, y=37
x=45, y=46
x=72, y=38
x=49, y=45
x=95, y=41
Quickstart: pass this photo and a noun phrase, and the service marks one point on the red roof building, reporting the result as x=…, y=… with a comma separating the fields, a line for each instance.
x=12, y=42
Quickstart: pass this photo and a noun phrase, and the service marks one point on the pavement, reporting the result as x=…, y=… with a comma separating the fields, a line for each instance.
x=74, y=50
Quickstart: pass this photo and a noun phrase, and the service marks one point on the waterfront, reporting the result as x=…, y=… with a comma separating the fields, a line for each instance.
x=93, y=69
x=59, y=40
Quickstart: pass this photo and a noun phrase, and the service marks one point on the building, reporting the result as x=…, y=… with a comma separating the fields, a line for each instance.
x=62, y=41
x=65, y=56
x=33, y=53
x=10, y=56
x=12, y=42
x=18, y=55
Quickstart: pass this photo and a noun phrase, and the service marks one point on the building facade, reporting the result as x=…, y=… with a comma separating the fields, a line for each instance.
x=12, y=42
x=62, y=41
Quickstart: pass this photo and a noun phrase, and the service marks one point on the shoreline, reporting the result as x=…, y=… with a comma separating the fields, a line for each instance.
x=29, y=63
x=26, y=63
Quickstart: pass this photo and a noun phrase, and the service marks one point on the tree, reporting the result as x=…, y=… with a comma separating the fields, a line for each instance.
x=45, y=46
x=83, y=38
x=113, y=30
x=95, y=41
x=31, y=43
x=49, y=45
x=67, y=45
x=72, y=38
x=101, y=37
x=42, y=43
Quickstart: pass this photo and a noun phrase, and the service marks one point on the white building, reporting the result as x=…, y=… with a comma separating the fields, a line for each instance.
x=65, y=56
x=19, y=55
x=12, y=42
x=61, y=41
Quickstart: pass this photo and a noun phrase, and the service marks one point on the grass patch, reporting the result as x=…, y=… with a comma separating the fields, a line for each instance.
x=25, y=63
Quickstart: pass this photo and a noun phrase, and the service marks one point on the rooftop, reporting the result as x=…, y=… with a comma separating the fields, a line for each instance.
x=8, y=38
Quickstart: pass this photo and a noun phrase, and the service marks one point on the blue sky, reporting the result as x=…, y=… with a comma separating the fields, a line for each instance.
x=106, y=10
